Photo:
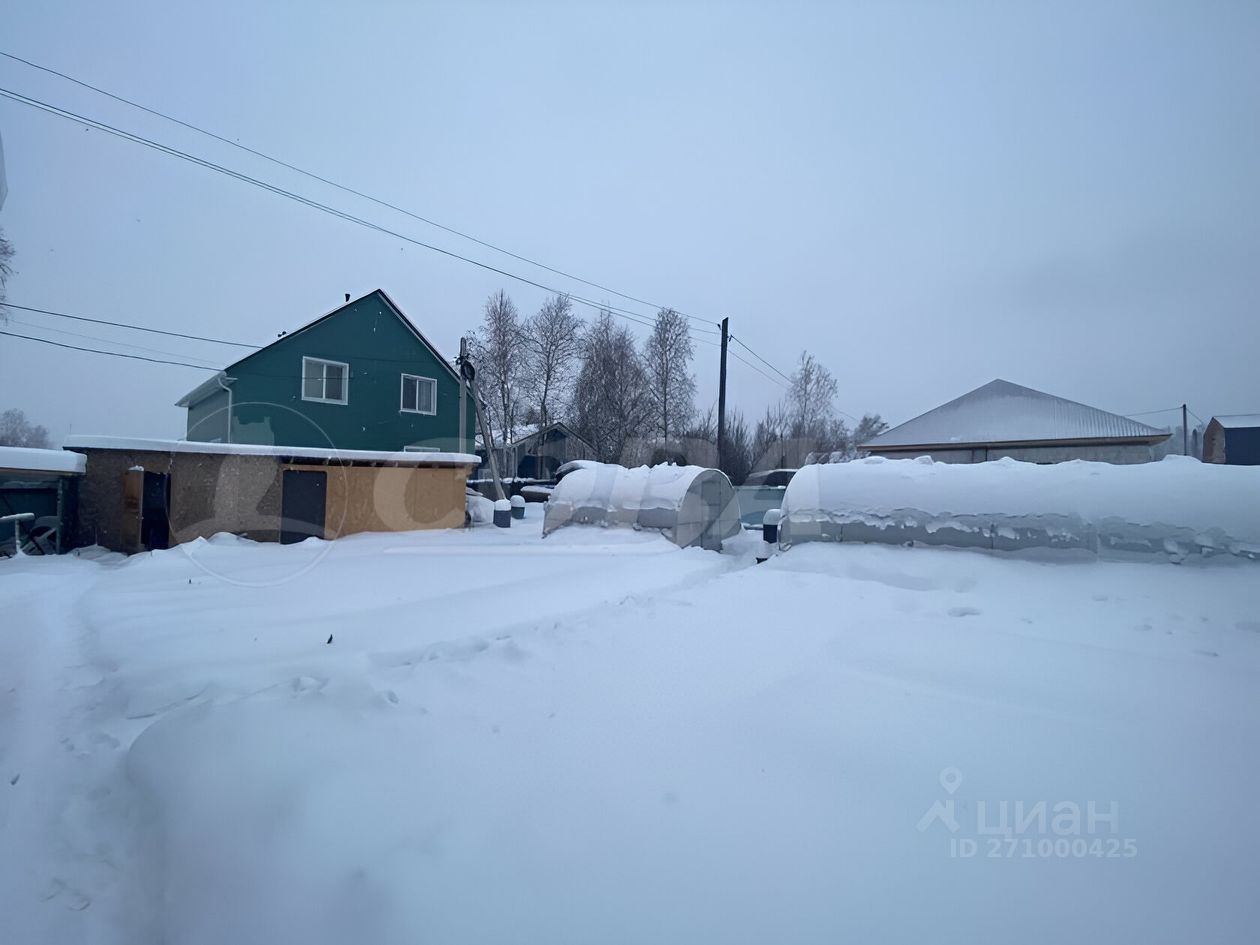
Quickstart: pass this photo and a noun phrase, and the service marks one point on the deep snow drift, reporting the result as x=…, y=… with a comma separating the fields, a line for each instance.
x=600, y=737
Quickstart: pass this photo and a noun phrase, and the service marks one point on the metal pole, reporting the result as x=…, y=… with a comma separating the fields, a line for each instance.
x=1185, y=432
x=61, y=510
x=17, y=519
x=721, y=430
x=463, y=399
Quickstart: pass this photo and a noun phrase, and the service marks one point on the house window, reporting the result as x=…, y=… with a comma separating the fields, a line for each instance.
x=326, y=382
x=419, y=394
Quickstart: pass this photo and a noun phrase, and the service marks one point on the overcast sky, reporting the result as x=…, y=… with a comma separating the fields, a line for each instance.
x=924, y=195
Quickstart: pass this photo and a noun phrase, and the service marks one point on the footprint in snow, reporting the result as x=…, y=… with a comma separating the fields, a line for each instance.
x=964, y=611
x=70, y=898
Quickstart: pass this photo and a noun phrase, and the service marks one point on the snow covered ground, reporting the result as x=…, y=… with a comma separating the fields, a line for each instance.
x=598, y=737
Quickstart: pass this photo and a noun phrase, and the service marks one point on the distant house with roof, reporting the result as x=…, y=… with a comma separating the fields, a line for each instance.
x=537, y=452
x=1004, y=419
x=1233, y=439
x=361, y=377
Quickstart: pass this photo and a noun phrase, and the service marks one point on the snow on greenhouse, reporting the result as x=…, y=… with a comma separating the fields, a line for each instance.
x=690, y=505
x=1178, y=506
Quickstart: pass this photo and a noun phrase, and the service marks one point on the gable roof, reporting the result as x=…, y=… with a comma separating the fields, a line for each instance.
x=1004, y=413
x=215, y=383
x=1236, y=421
x=554, y=425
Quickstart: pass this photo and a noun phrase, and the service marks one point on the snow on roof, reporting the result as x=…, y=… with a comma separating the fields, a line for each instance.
x=406, y=458
x=220, y=381
x=32, y=460
x=1238, y=420
x=1002, y=412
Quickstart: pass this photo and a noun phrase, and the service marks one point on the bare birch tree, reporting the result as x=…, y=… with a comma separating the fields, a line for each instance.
x=811, y=398
x=553, y=340
x=804, y=423
x=611, y=399
x=667, y=356
x=498, y=349
x=6, y=268
x=16, y=430
x=870, y=426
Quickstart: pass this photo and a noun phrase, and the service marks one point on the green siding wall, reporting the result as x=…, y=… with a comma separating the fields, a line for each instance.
x=208, y=419
x=267, y=404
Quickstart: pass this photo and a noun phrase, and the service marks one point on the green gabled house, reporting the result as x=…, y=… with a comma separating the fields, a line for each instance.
x=361, y=377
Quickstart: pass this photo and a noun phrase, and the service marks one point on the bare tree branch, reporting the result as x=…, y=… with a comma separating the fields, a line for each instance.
x=667, y=358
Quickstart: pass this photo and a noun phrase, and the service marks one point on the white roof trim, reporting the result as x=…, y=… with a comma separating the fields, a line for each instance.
x=142, y=445
x=1234, y=421
x=29, y=459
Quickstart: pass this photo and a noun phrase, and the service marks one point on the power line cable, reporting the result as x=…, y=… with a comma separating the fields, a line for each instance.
x=42, y=311
x=314, y=204
x=102, y=321
x=777, y=371
x=115, y=354
x=108, y=341
x=115, y=324
x=760, y=358
x=135, y=357
x=751, y=366
x=342, y=187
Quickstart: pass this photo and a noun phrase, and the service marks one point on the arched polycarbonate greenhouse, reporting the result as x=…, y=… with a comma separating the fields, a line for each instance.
x=690, y=505
x=1178, y=507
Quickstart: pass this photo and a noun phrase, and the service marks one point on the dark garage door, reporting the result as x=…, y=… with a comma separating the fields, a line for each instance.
x=155, y=524
x=302, y=502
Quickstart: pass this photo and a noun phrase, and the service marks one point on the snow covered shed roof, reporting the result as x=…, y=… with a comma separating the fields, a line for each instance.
x=318, y=454
x=1002, y=413
x=1238, y=421
x=59, y=462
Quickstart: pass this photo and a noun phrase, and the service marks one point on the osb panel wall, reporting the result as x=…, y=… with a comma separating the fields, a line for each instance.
x=210, y=493
x=213, y=493
x=100, y=518
x=391, y=498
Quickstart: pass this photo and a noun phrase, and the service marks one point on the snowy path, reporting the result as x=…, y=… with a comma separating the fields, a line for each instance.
x=601, y=738
x=49, y=759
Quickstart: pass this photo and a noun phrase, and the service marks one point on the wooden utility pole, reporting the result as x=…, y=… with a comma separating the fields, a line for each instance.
x=721, y=430
x=469, y=375
x=1185, y=432
x=463, y=397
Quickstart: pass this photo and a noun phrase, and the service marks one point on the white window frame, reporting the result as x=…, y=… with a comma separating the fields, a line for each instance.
x=324, y=362
x=402, y=387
